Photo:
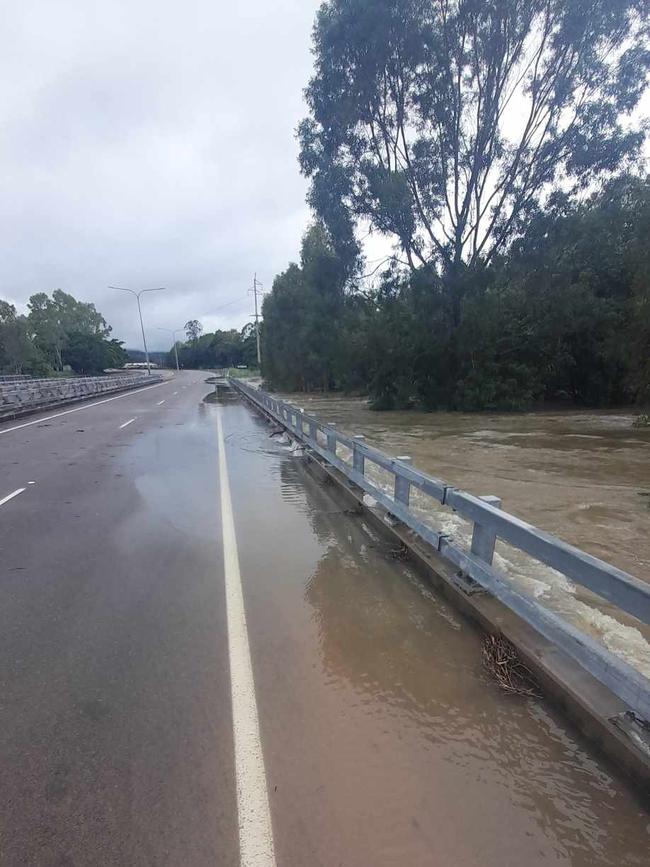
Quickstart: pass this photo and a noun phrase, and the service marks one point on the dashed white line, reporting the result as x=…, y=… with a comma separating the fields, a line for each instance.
x=175, y=393
x=160, y=403
x=79, y=408
x=254, y=815
x=126, y=423
x=11, y=496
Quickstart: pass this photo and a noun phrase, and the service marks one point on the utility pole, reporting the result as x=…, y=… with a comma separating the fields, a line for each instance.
x=255, y=292
x=137, y=298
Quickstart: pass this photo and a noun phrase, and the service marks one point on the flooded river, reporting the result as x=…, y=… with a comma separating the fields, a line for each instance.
x=385, y=741
x=583, y=476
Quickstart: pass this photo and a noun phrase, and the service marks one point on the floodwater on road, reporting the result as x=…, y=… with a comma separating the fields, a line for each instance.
x=583, y=476
x=385, y=741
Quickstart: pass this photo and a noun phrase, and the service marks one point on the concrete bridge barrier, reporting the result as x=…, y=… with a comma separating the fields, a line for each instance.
x=20, y=397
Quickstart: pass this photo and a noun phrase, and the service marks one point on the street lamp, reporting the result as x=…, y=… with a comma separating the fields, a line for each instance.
x=173, y=334
x=137, y=298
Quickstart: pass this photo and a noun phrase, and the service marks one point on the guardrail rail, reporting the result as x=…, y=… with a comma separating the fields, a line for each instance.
x=490, y=523
x=30, y=394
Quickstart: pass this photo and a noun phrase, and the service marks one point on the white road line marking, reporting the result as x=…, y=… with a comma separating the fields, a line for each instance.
x=160, y=403
x=175, y=393
x=79, y=408
x=254, y=815
x=130, y=421
x=11, y=496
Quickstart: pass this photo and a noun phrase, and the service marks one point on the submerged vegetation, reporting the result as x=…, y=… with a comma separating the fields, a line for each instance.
x=563, y=317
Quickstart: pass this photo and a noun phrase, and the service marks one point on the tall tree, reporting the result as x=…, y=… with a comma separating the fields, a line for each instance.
x=442, y=123
x=51, y=320
x=303, y=316
x=17, y=352
x=193, y=330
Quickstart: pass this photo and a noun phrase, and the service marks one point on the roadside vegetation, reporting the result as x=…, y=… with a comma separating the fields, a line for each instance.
x=216, y=349
x=496, y=151
x=58, y=333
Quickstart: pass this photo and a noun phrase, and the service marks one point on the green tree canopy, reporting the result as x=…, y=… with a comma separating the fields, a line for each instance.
x=563, y=317
x=51, y=320
x=91, y=353
x=216, y=349
x=443, y=123
x=303, y=316
x=58, y=330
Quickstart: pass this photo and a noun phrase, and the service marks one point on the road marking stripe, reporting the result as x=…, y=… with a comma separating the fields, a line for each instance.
x=130, y=421
x=11, y=496
x=79, y=408
x=160, y=403
x=175, y=393
x=254, y=814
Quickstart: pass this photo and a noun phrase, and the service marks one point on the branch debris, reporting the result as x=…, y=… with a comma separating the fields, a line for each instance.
x=502, y=661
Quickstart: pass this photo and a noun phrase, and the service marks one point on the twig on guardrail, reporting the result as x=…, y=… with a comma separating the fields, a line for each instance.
x=502, y=661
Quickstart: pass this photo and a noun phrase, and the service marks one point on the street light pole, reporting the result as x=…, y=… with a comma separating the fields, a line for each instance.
x=137, y=298
x=173, y=334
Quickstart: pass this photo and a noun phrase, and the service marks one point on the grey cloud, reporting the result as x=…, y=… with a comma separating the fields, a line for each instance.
x=147, y=144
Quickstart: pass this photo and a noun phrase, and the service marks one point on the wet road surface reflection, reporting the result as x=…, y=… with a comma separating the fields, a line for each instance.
x=385, y=742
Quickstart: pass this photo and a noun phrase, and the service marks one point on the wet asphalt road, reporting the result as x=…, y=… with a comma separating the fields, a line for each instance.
x=383, y=743
x=115, y=732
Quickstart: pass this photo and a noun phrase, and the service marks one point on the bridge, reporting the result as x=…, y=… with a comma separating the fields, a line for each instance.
x=215, y=652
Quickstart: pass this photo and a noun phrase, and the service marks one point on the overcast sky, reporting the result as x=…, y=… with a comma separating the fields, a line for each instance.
x=151, y=143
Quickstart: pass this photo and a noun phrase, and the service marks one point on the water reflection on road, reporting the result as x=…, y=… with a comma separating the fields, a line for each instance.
x=418, y=677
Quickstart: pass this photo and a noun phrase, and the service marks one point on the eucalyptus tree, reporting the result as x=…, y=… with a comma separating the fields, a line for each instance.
x=444, y=123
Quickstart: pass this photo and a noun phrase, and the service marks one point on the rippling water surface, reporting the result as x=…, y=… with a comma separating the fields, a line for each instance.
x=584, y=476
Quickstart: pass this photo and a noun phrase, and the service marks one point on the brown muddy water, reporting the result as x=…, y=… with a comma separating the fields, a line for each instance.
x=385, y=740
x=583, y=476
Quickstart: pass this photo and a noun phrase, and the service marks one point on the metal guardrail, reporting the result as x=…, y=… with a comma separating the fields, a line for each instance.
x=31, y=394
x=489, y=524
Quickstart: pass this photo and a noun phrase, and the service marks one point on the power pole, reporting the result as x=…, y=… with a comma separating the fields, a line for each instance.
x=255, y=292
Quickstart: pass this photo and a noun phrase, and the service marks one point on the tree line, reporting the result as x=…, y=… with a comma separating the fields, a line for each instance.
x=216, y=349
x=564, y=317
x=494, y=146
x=58, y=332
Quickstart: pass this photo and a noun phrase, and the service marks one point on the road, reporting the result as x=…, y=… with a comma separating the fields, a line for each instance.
x=205, y=661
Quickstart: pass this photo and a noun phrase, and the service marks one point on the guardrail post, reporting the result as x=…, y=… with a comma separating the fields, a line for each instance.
x=313, y=430
x=484, y=540
x=358, y=458
x=402, y=491
x=331, y=439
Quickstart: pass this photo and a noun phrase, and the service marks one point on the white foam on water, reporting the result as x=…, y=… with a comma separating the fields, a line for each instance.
x=543, y=583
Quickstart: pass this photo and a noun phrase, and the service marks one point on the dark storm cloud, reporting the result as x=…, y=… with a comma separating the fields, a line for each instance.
x=151, y=144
